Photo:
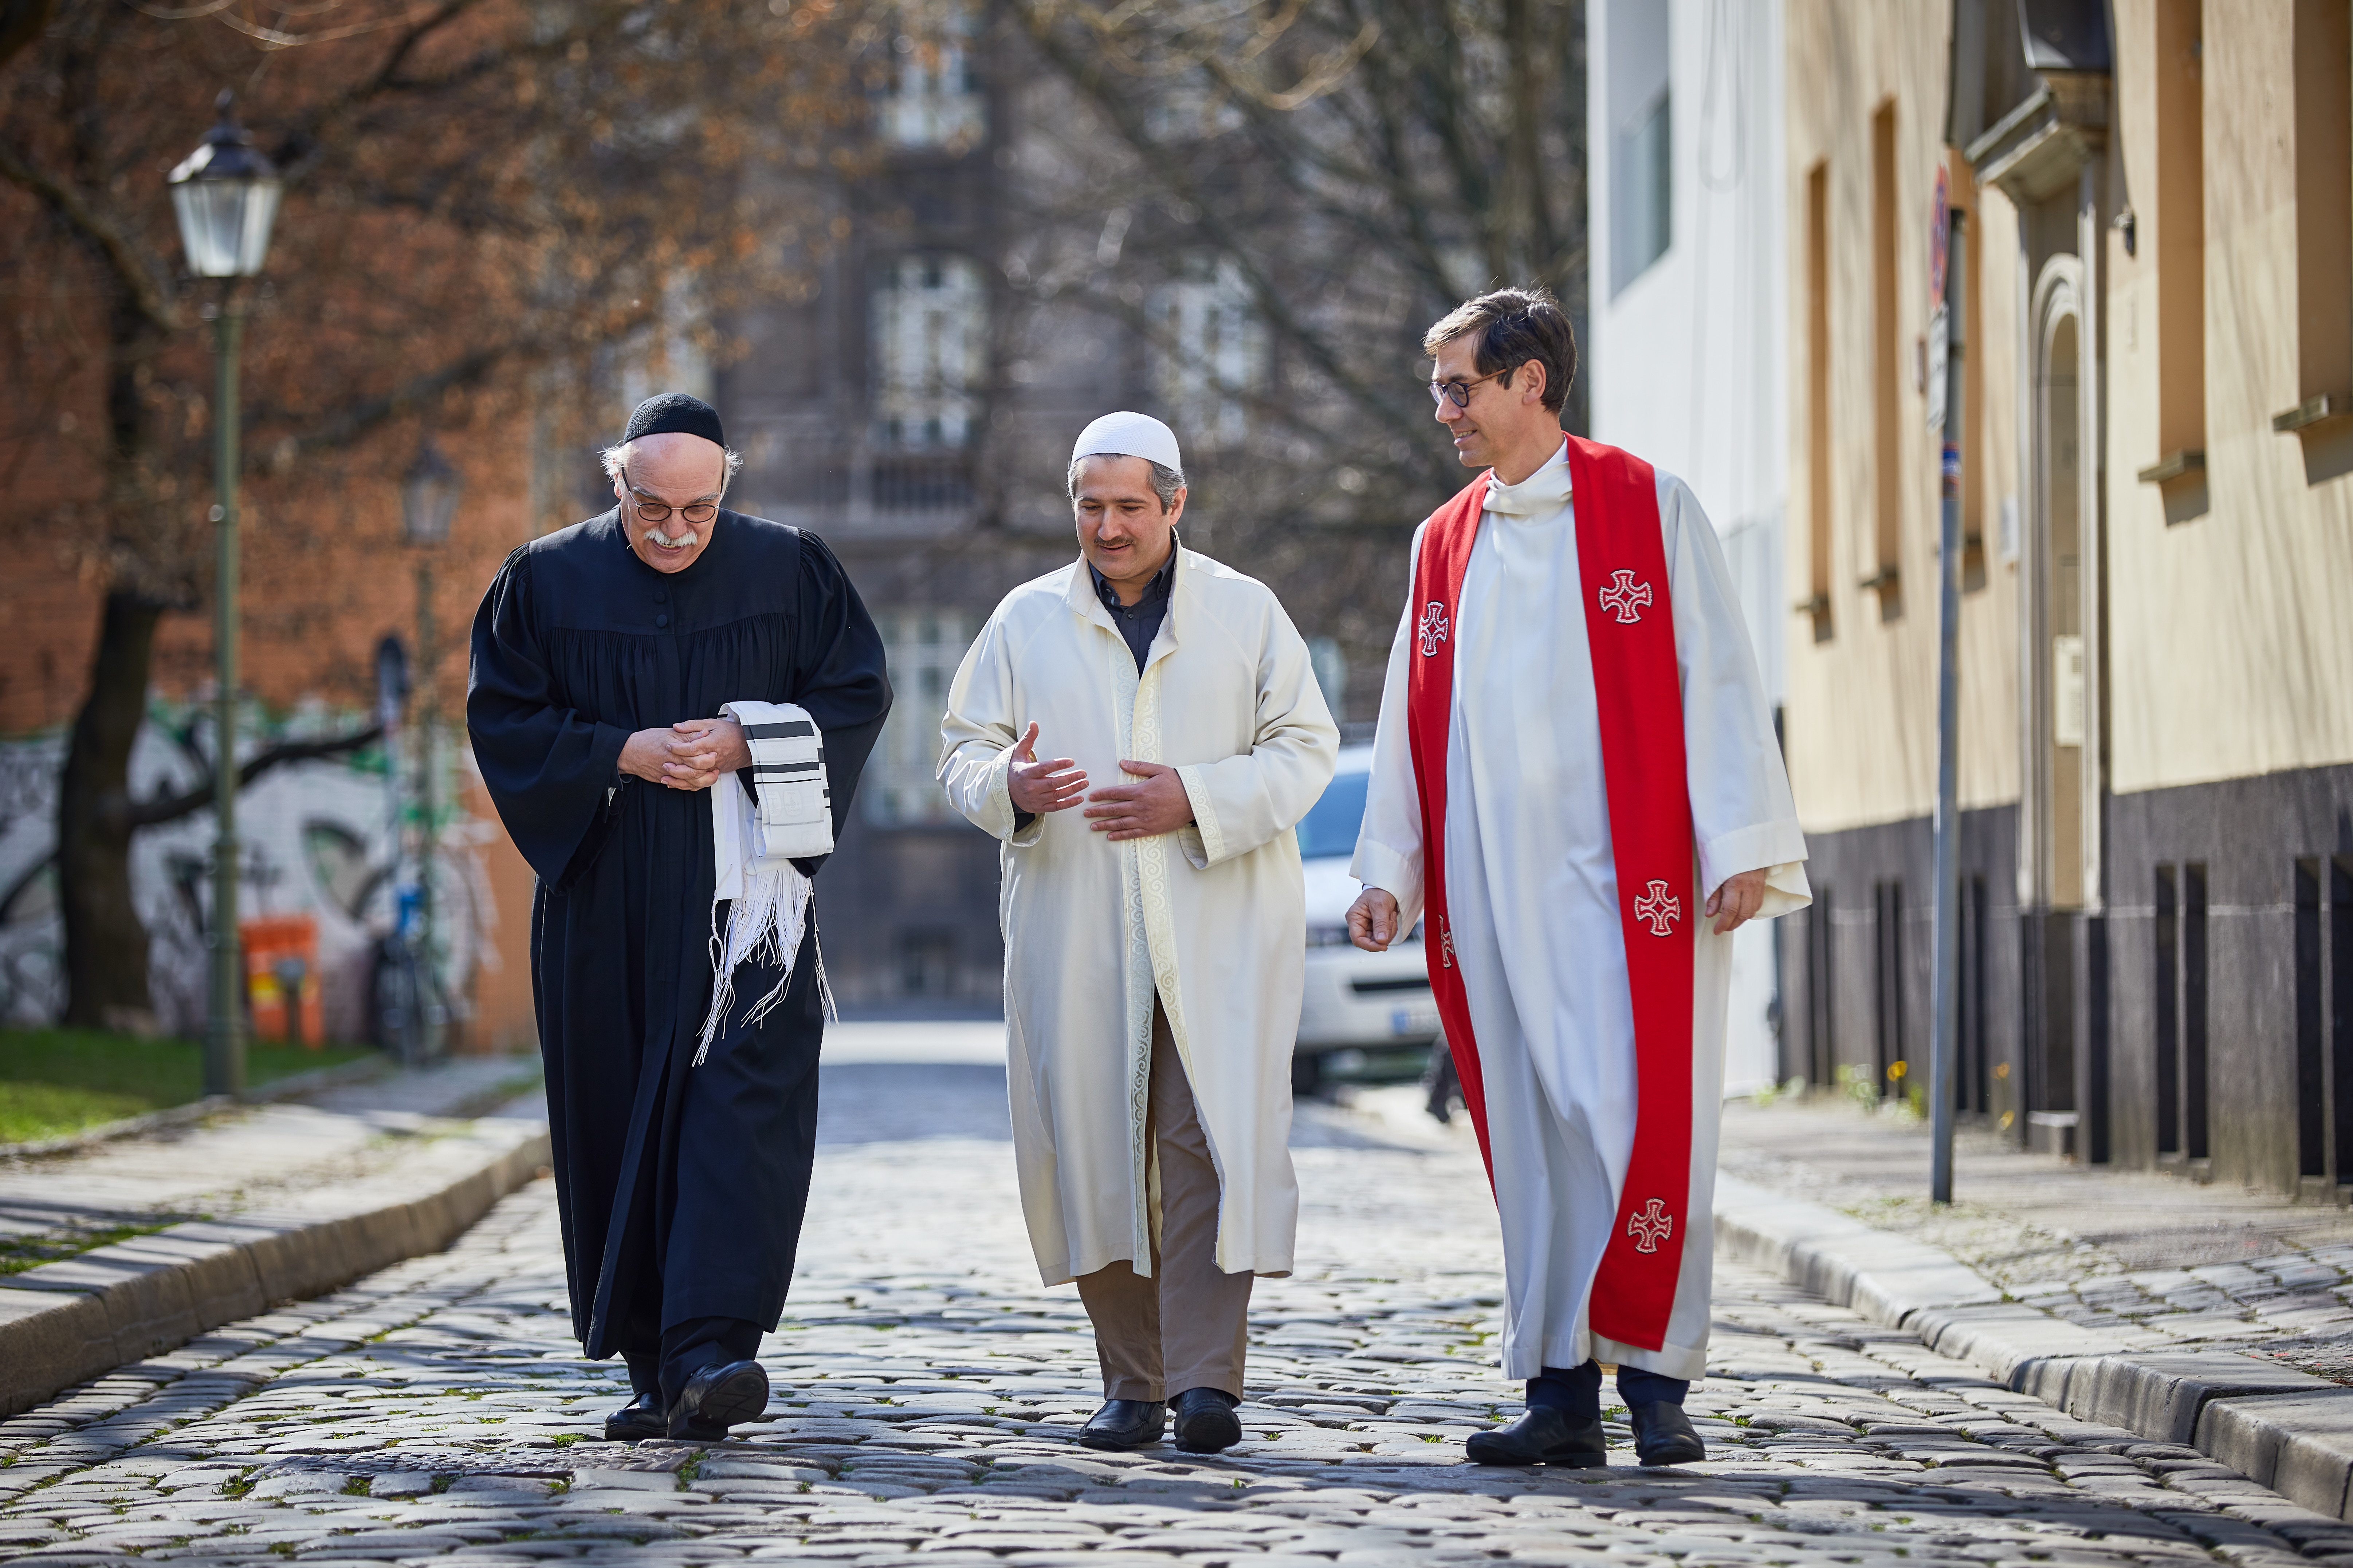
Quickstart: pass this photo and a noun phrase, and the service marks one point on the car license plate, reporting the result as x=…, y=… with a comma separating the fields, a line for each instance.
x=1413, y=1021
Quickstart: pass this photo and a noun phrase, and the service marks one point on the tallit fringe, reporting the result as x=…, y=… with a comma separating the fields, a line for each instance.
x=758, y=927
x=824, y=991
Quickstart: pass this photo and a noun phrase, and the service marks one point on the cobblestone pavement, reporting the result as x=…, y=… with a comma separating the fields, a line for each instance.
x=927, y=1393
x=2154, y=1260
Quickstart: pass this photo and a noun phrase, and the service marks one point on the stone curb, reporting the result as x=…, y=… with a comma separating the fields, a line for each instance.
x=2279, y=1427
x=68, y=1320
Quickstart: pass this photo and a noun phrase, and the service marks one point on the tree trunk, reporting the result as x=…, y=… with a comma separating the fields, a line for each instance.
x=106, y=943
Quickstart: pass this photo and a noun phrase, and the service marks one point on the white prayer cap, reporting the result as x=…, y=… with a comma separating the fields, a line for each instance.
x=1127, y=435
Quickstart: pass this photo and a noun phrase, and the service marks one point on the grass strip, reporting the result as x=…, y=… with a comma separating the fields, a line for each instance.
x=54, y=1082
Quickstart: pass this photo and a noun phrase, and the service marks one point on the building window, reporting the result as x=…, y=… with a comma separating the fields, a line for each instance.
x=1975, y=1086
x=1209, y=352
x=934, y=99
x=2168, y=1001
x=931, y=328
x=1817, y=604
x=2324, y=214
x=901, y=787
x=2193, y=1010
x=2324, y=1020
x=2180, y=241
x=1822, y=991
x=1641, y=140
x=1888, y=405
x=1887, y=987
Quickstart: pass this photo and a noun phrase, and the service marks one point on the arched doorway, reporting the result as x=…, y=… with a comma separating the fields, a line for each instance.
x=2057, y=666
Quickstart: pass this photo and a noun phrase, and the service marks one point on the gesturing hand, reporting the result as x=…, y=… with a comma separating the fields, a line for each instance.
x=1373, y=920
x=1742, y=895
x=1159, y=804
x=1039, y=787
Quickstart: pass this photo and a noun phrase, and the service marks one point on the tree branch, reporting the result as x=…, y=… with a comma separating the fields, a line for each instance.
x=1126, y=117
x=171, y=808
x=21, y=23
x=129, y=268
x=358, y=418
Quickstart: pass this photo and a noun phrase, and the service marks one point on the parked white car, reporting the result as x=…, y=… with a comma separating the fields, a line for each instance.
x=1365, y=1014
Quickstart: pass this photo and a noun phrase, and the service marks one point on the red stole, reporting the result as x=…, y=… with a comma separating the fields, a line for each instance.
x=1629, y=626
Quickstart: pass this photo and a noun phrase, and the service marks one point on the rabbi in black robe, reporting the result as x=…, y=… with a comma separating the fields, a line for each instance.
x=601, y=655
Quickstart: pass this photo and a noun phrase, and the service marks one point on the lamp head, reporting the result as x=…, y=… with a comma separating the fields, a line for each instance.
x=429, y=495
x=225, y=194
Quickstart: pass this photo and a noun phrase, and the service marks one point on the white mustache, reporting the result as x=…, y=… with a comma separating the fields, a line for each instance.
x=667, y=542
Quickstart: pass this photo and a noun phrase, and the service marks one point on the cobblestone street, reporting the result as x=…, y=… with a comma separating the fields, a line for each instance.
x=927, y=1391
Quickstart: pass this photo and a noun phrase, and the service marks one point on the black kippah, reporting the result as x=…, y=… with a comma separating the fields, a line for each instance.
x=675, y=411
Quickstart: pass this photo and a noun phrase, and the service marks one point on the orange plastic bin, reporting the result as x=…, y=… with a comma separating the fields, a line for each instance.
x=282, y=963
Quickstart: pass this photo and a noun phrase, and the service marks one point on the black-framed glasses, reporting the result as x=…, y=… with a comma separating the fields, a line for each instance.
x=700, y=511
x=1459, y=392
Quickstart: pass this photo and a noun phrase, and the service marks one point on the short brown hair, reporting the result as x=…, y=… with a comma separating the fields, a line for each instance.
x=1514, y=326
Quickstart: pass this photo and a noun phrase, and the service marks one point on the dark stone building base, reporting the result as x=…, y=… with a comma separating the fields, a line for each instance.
x=2200, y=1020
x=1856, y=966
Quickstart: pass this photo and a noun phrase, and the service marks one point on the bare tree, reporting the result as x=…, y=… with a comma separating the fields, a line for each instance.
x=483, y=198
x=1351, y=169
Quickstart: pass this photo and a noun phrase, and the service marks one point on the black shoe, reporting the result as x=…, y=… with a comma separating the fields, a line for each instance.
x=1205, y=1420
x=1541, y=1435
x=1664, y=1435
x=718, y=1398
x=1124, y=1424
x=638, y=1420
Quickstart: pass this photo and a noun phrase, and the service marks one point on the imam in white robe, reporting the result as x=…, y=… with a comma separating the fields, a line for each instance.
x=1532, y=894
x=1211, y=917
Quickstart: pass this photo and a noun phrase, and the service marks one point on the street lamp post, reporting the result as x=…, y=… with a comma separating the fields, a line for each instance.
x=428, y=499
x=225, y=194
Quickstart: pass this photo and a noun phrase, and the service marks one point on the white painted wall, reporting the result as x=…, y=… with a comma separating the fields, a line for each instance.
x=1686, y=359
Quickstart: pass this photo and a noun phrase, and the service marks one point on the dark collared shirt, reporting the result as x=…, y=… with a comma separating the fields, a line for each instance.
x=1139, y=622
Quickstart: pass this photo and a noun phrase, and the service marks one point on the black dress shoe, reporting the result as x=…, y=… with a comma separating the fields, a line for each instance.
x=638, y=1420
x=1205, y=1420
x=718, y=1398
x=1124, y=1424
x=1541, y=1435
x=1664, y=1435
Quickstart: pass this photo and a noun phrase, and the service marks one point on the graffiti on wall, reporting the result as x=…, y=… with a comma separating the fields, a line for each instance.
x=331, y=838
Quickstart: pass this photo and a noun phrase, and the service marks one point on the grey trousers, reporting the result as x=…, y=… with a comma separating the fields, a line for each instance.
x=1187, y=1324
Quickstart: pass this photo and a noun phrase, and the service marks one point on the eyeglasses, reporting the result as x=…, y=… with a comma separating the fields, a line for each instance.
x=1459, y=392
x=659, y=511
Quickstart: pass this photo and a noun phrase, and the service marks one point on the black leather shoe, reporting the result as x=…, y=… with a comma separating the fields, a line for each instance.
x=1205, y=1420
x=718, y=1398
x=1664, y=1435
x=1541, y=1435
x=1124, y=1424
x=638, y=1420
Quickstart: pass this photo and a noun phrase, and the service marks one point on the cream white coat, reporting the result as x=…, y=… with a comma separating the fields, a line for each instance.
x=1211, y=917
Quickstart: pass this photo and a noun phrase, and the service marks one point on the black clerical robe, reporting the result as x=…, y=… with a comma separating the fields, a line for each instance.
x=681, y=1188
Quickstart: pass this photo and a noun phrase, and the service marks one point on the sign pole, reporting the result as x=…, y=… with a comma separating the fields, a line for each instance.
x=1945, y=990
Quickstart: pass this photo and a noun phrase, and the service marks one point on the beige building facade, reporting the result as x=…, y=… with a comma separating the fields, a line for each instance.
x=2155, y=280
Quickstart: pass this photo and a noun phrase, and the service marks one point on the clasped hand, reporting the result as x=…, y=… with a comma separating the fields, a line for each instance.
x=689, y=755
x=1373, y=917
x=1157, y=805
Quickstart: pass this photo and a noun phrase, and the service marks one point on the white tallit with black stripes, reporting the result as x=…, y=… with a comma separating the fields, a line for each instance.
x=754, y=842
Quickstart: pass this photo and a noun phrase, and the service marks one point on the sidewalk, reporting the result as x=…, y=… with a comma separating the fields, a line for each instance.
x=2207, y=1317
x=2164, y=1262
x=118, y=1251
